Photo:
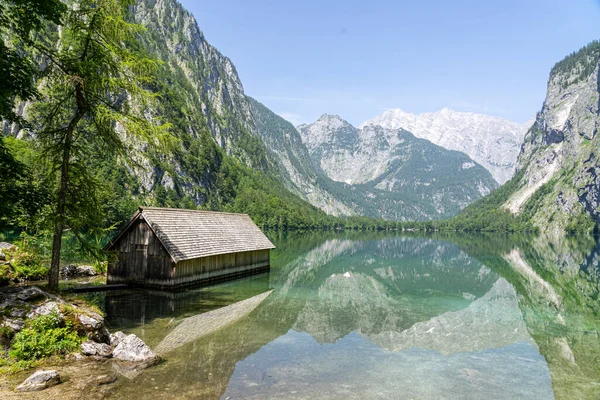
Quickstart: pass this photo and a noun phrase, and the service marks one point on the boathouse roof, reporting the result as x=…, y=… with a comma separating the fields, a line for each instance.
x=189, y=234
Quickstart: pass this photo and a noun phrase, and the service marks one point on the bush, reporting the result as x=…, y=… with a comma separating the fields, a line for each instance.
x=6, y=274
x=28, y=265
x=45, y=336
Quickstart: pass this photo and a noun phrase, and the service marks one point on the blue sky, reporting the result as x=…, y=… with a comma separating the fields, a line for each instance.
x=359, y=58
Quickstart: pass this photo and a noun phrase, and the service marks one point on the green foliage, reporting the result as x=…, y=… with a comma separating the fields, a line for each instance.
x=23, y=196
x=29, y=266
x=485, y=215
x=6, y=274
x=19, y=19
x=581, y=225
x=578, y=65
x=27, y=258
x=44, y=336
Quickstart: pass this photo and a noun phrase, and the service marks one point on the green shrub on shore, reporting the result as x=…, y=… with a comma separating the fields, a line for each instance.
x=6, y=274
x=28, y=265
x=44, y=336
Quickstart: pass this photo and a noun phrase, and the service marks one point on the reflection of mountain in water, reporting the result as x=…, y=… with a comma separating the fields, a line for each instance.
x=476, y=308
x=557, y=285
x=384, y=285
x=492, y=321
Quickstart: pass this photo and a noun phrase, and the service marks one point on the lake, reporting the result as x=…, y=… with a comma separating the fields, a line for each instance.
x=358, y=315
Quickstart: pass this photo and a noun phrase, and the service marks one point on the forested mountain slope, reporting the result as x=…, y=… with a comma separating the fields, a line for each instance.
x=217, y=159
x=559, y=164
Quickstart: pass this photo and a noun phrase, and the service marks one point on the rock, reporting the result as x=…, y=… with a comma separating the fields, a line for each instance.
x=74, y=357
x=128, y=370
x=92, y=325
x=90, y=348
x=90, y=322
x=15, y=324
x=31, y=293
x=5, y=245
x=132, y=349
x=104, y=379
x=86, y=270
x=73, y=271
x=2, y=256
x=40, y=380
x=46, y=308
x=116, y=338
x=17, y=313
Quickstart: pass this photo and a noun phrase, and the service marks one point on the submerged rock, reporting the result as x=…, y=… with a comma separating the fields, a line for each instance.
x=104, y=380
x=39, y=380
x=90, y=348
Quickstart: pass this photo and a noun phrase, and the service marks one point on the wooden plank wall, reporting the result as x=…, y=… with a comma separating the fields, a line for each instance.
x=140, y=256
x=205, y=268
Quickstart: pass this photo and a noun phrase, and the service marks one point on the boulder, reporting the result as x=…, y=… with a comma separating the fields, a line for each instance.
x=18, y=313
x=73, y=271
x=40, y=380
x=133, y=350
x=14, y=324
x=31, y=293
x=2, y=256
x=116, y=338
x=92, y=325
x=90, y=348
x=6, y=246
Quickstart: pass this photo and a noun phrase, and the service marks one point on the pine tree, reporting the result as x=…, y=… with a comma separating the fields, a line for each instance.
x=94, y=95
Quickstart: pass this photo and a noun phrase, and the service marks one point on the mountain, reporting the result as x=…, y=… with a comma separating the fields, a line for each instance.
x=493, y=142
x=293, y=162
x=392, y=174
x=218, y=159
x=557, y=185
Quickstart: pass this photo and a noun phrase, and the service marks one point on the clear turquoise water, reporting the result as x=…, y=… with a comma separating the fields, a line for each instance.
x=379, y=316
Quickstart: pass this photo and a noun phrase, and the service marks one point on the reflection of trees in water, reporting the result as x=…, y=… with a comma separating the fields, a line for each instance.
x=557, y=282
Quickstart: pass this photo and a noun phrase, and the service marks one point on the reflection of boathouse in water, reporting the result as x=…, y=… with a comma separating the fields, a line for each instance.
x=167, y=248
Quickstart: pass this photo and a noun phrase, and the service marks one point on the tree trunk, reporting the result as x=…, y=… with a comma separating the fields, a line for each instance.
x=59, y=222
x=61, y=198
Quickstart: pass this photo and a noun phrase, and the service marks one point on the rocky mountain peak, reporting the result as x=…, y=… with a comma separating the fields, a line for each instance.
x=491, y=141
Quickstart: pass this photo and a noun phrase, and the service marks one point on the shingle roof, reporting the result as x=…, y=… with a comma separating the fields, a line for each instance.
x=188, y=234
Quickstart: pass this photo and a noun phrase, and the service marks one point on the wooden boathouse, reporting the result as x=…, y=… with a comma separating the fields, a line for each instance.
x=169, y=248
